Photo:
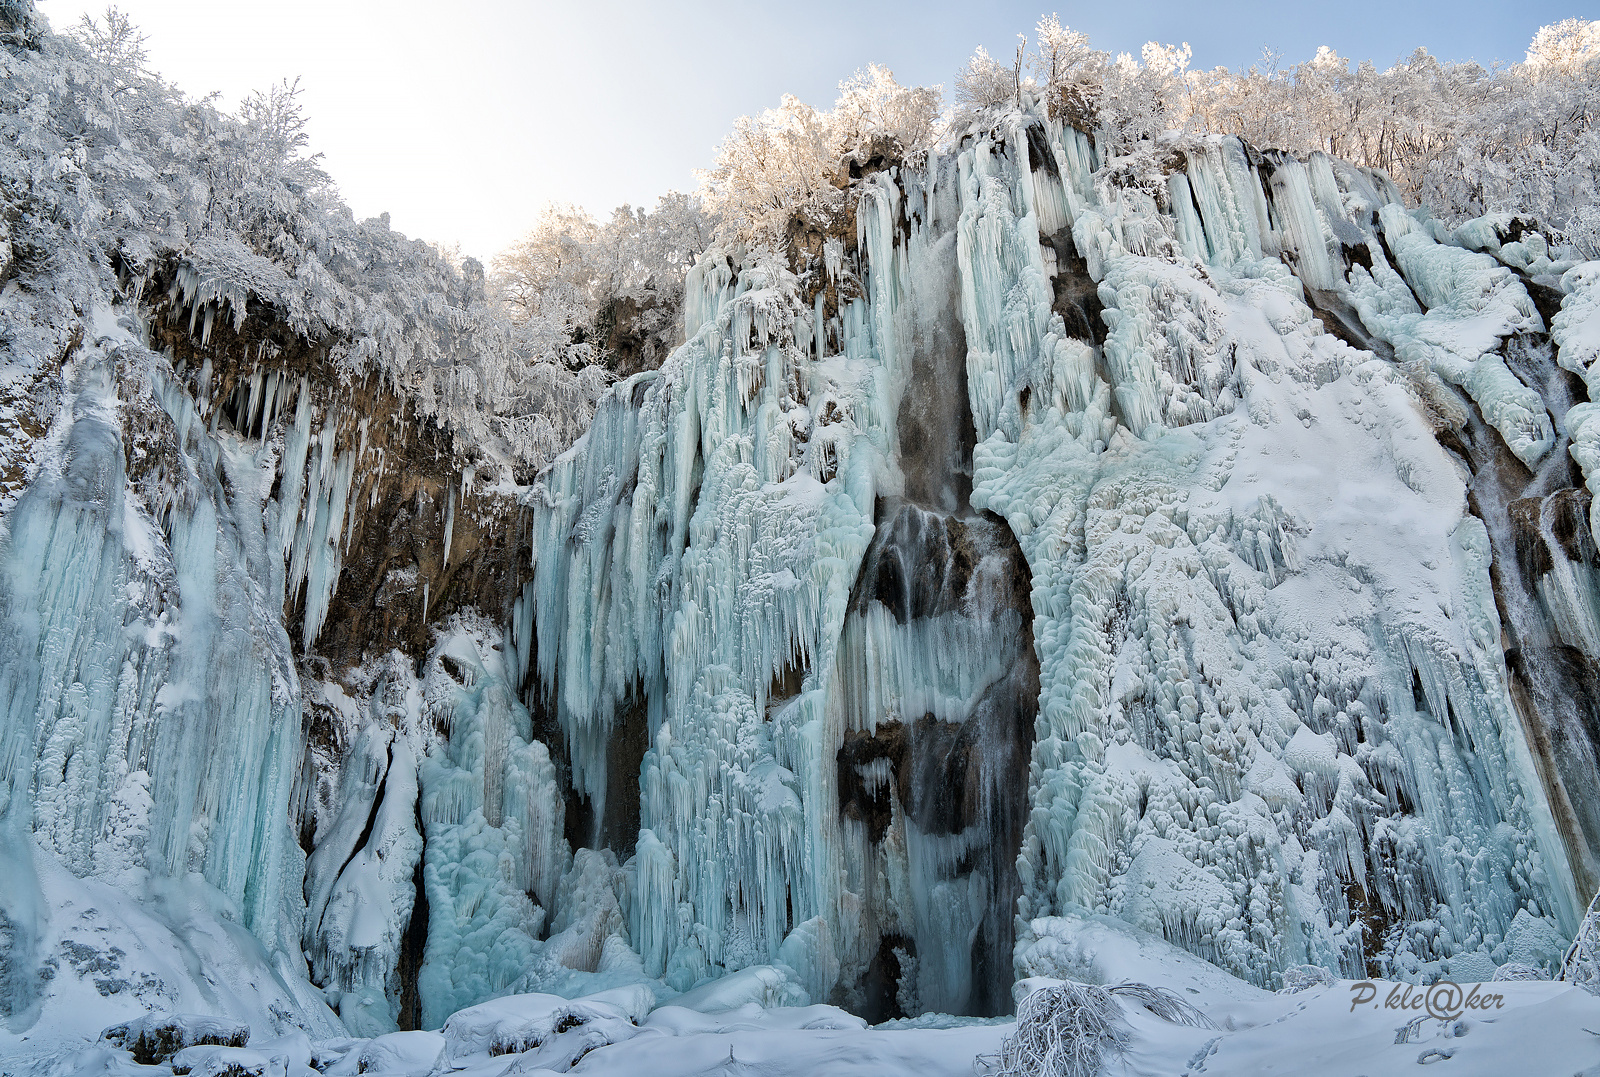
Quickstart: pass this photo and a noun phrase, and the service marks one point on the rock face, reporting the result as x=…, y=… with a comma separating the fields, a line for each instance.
x=1221, y=444
x=1210, y=556
x=410, y=488
x=939, y=788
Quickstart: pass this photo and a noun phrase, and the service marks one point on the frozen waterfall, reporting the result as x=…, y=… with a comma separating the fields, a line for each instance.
x=1211, y=557
x=1274, y=723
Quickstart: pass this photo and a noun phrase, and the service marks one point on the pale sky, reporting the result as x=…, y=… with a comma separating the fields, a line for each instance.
x=462, y=119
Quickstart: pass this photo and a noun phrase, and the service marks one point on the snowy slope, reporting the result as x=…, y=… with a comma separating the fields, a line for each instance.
x=1328, y=1030
x=110, y=950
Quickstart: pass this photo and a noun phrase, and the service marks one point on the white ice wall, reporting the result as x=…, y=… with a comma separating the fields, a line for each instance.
x=1242, y=567
x=1272, y=704
x=150, y=710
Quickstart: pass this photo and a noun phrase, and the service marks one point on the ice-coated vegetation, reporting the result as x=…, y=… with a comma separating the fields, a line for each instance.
x=114, y=181
x=1460, y=138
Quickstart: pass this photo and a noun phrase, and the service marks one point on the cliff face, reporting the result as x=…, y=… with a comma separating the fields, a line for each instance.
x=1210, y=553
x=408, y=487
x=1241, y=429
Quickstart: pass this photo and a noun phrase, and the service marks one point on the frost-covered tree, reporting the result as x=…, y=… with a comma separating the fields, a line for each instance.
x=785, y=160
x=610, y=293
x=110, y=177
x=1464, y=139
x=1121, y=101
x=551, y=272
x=1461, y=138
x=984, y=83
x=1069, y=70
x=873, y=106
x=1568, y=46
x=574, y=280
x=769, y=165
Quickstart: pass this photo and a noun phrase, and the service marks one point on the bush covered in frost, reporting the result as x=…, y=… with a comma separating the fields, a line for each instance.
x=1581, y=965
x=1070, y=1029
x=1064, y=1030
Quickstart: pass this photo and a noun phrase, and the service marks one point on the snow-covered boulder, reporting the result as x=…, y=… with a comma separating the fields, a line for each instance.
x=675, y=1020
x=520, y=1023
x=211, y=1061
x=401, y=1054
x=765, y=985
x=157, y=1037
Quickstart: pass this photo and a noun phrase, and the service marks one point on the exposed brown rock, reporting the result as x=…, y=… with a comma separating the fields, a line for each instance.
x=396, y=578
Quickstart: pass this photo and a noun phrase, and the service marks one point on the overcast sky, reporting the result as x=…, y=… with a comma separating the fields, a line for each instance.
x=461, y=119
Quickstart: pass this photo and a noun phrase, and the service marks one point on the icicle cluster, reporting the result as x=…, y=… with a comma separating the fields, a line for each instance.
x=151, y=706
x=1274, y=725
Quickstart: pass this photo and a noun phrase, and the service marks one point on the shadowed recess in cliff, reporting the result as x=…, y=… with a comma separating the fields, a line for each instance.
x=1548, y=592
x=940, y=690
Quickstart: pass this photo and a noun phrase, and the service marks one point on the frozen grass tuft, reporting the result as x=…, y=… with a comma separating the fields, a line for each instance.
x=1582, y=963
x=1065, y=1030
x=1164, y=1004
x=1069, y=1029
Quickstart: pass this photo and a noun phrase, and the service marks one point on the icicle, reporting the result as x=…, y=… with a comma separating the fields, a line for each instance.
x=449, y=525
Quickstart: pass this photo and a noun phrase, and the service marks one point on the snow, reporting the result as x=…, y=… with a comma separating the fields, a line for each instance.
x=1332, y=1028
x=117, y=953
x=1539, y=1028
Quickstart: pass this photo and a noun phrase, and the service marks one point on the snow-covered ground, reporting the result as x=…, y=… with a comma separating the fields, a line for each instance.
x=1331, y=1028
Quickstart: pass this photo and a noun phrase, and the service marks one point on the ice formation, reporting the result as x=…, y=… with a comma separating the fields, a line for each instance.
x=360, y=897
x=1053, y=578
x=1273, y=719
x=1576, y=332
x=152, y=700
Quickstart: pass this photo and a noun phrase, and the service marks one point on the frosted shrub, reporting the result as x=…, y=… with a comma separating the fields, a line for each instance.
x=1298, y=978
x=1065, y=1030
x=1582, y=963
x=1068, y=1029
